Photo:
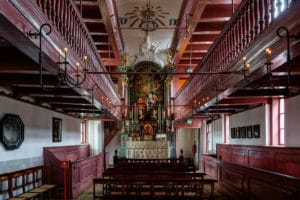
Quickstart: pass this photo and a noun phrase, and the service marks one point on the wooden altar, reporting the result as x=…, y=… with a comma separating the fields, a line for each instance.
x=148, y=149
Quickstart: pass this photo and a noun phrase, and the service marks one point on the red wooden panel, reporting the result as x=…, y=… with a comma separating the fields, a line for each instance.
x=259, y=159
x=239, y=157
x=260, y=189
x=288, y=163
x=241, y=182
x=279, y=159
x=82, y=168
x=211, y=169
x=232, y=178
x=225, y=155
x=72, y=155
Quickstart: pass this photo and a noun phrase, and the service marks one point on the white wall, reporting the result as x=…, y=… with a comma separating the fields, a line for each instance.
x=249, y=118
x=217, y=136
x=114, y=144
x=292, y=124
x=37, y=134
x=185, y=141
x=95, y=136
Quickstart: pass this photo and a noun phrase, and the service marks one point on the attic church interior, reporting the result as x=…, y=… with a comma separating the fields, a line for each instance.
x=149, y=99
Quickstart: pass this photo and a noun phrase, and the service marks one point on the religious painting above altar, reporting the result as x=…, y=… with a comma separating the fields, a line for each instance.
x=146, y=113
x=146, y=92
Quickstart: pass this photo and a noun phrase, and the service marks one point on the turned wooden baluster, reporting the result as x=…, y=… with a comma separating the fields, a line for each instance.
x=219, y=53
x=43, y=5
x=63, y=18
x=47, y=11
x=241, y=28
x=267, y=13
x=244, y=43
x=53, y=10
x=235, y=35
x=58, y=14
x=227, y=48
x=256, y=18
x=69, y=22
x=248, y=22
x=73, y=23
x=232, y=41
x=76, y=37
x=261, y=15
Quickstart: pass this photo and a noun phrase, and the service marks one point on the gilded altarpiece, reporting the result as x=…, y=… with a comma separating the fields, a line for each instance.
x=145, y=124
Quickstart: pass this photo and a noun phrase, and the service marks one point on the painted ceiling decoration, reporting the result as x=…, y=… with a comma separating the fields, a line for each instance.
x=148, y=27
x=147, y=17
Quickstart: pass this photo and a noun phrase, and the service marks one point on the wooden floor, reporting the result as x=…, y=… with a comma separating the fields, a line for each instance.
x=88, y=195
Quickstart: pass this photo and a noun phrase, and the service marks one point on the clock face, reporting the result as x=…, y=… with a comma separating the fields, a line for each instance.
x=11, y=131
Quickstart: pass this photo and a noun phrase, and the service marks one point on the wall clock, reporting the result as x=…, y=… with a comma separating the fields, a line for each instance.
x=11, y=131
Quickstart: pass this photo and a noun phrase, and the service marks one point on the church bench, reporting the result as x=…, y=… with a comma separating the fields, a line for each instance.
x=143, y=160
x=25, y=184
x=181, y=166
x=150, y=173
x=149, y=188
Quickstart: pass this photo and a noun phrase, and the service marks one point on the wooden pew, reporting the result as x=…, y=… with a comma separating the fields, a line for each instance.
x=152, y=180
x=121, y=173
x=149, y=188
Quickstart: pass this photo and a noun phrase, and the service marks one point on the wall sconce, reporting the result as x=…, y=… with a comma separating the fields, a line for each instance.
x=268, y=64
x=62, y=76
x=71, y=83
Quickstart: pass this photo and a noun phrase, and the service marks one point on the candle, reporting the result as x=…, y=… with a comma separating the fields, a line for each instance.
x=77, y=68
x=268, y=55
x=85, y=62
x=59, y=52
x=65, y=50
x=244, y=60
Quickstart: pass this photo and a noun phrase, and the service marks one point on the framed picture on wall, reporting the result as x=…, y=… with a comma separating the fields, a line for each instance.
x=249, y=132
x=56, y=129
x=243, y=132
x=232, y=132
x=237, y=132
x=256, y=133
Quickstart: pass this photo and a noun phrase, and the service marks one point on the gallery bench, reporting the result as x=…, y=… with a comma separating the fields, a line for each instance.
x=26, y=184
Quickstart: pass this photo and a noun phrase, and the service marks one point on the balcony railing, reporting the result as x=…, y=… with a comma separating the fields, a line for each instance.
x=249, y=21
x=65, y=18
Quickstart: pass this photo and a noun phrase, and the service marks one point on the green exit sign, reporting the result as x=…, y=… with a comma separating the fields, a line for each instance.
x=189, y=122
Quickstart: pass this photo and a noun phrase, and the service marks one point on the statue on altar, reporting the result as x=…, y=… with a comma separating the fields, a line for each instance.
x=148, y=130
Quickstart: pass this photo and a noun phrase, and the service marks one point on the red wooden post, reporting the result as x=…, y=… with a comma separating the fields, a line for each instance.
x=64, y=165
